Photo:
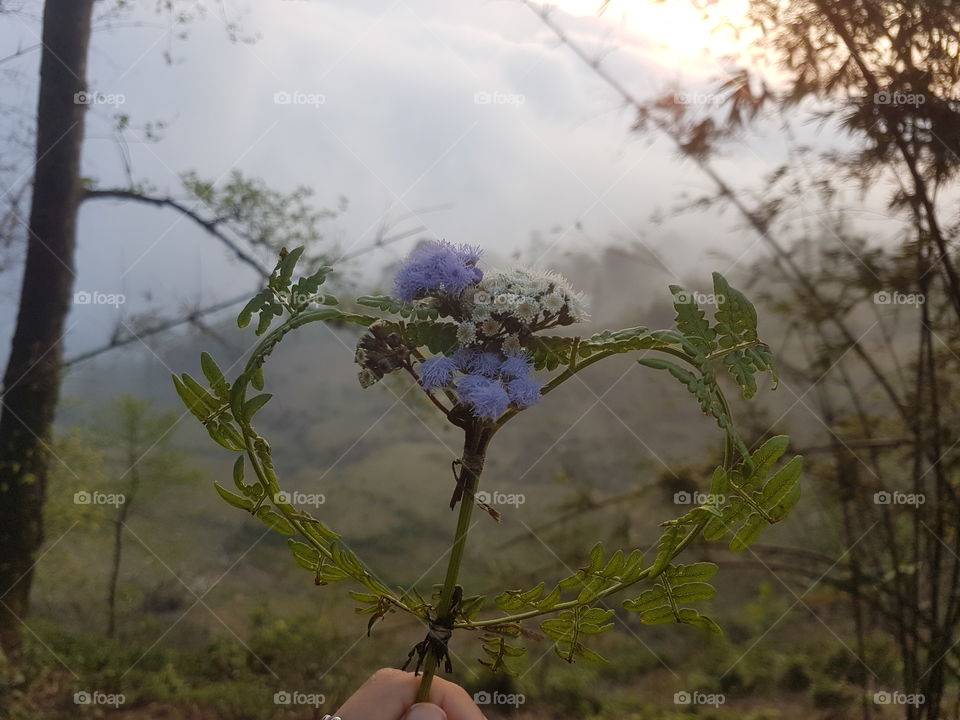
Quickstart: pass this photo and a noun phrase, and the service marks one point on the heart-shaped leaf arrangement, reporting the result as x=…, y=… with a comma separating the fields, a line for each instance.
x=480, y=347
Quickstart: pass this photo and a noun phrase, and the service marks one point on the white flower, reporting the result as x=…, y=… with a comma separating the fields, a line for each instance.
x=511, y=346
x=553, y=303
x=527, y=309
x=466, y=333
x=492, y=285
x=504, y=301
x=481, y=311
x=490, y=327
x=524, y=294
x=577, y=307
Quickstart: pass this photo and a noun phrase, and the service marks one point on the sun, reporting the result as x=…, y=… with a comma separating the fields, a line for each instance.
x=681, y=32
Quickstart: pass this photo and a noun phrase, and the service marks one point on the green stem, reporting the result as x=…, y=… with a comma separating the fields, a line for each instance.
x=474, y=446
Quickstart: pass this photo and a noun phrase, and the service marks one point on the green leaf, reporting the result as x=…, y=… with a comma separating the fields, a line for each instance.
x=597, y=555
x=676, y=585
x=284, y=270
x=214, y=376
x=567, y=628
x=235, y=500
x=751, y=500
x=614, y=565
x=471, y=606
x=659, y=615
x=549, y=352
x=694, y=572
x=398, y=307
x=438, y=337
x=256, y=304
x=692, y=322
x=251, y=406
x=689, y=616
x=319, y=532
x=275, y=521
x=766, y=456
x=782, y=492
x=647, y=600
x=306, y=556
x=211, y=403
x=193, y=403
x=748, y=532
x=331, y=573
x=667, y=547
x=225, y=435
x=500, y=656
x=255, y=491
x=238, y=473
x=632, y=567
x=736, y=326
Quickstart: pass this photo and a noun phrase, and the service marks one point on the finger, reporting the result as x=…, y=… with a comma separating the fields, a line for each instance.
x=389, y=694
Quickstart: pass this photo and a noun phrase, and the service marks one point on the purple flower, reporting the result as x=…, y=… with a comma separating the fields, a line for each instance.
x=488, y=398
x=436, y=372
x=437, y=266
x=486, y=364
x=524, y=391
x=463, y=359
x=476, y=362
x=516, y=366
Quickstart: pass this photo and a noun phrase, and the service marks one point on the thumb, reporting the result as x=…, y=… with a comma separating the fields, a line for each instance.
x=425, y=711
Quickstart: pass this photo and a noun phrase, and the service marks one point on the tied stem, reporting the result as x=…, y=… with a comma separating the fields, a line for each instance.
x=474, y=452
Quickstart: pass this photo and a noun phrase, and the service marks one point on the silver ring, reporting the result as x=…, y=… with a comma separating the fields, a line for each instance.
x=330, y=717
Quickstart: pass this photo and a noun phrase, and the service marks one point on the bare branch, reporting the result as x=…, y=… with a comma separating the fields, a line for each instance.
x=212, y=226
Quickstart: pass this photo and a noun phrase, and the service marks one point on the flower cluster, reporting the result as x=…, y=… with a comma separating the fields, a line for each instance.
x=494, y=315
x=484, y=380
x=437, y=267
x=379, y=352
x=513, y=304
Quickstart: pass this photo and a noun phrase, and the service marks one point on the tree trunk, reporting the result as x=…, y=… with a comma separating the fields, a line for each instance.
x=32, y=380
x=134, y=454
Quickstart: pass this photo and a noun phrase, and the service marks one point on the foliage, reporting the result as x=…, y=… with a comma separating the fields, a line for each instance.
x=747, y=493
x=264, y=217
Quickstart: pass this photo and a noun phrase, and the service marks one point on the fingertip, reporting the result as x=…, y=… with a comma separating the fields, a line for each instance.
x=454, y=700
x=425, y=711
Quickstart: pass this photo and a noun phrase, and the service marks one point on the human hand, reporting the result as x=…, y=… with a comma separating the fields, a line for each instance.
x=390, y=694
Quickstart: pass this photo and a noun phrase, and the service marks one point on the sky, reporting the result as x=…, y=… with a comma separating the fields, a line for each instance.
x=466, y=118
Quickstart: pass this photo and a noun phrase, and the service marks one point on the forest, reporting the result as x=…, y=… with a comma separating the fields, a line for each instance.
x=445, y=360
